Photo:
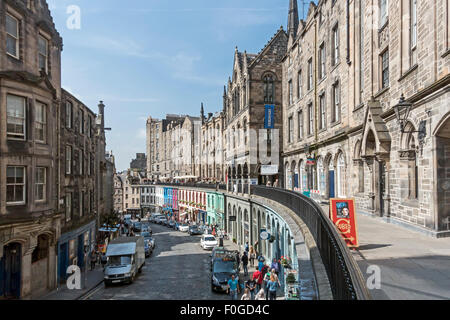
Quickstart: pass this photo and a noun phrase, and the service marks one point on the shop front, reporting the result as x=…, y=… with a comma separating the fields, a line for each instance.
x=71, y=248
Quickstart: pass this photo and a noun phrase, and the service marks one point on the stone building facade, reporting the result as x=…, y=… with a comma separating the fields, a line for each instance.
x=347, y=66
x=256, y=83
x=30, y=86
x=78, y=190
x=212, y=147
x=118, y=193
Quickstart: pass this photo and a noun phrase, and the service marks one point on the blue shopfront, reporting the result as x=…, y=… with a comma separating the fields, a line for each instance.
x=71, y=246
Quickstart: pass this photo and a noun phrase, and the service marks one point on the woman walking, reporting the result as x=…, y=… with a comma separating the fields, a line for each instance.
x=252, y=256
x=246, y=295
x=273, y=285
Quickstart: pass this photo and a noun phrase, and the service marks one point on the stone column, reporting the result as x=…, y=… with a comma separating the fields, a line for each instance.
x=26, y=274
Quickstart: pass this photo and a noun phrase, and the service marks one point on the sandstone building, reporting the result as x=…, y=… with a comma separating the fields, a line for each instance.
x=347, y=66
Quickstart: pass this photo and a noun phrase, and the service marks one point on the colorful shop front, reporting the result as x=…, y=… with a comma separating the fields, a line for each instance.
x=215, y=207
x=72, y=246
x=170, y=206
x=192, y=205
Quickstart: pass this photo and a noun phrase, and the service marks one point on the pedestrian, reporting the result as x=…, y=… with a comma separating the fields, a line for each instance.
x=260, y=295
x=246, y=295
x=258, y=278
x=260, y=265
x=238, y=258
x=252, y=256
x=245, y=263
x=273, y=285
x=233, y=287
x=275, y=184
x=275, y=265
x=247, y=248
x=103, y=260
x=266, y=284
x=250, y=284
x=93, y=259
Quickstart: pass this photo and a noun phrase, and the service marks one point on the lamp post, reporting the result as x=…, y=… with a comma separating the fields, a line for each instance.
x=402, y=111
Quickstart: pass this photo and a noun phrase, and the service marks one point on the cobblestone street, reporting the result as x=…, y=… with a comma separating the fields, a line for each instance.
x=178, y=269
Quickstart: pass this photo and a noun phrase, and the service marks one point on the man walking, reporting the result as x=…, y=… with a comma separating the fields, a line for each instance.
x=245, y=263
x=233, y=287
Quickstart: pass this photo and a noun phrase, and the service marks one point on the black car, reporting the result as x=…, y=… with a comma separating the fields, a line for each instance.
x=137, y=227
x=195, y=230
x=222, y=270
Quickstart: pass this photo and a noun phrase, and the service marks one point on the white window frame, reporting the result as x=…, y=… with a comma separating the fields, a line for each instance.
x=413, y=5
x=300, y=84
x=16, y=38
x=291, y=129
x=69, y=112
x=42, y=184
x=300, y=124
x=291, y=93
x=384, y=12
x=14, y=184
x=322, y=110
x=68, y=160
x=335, y=45
x=13, y=135
x=44, y=55
x=322, y=60
x=310, y=119
x=337, y=101
x=41, y=122
x=310, y=74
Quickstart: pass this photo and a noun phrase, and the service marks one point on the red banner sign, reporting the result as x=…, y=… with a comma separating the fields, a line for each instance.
x=342, y=213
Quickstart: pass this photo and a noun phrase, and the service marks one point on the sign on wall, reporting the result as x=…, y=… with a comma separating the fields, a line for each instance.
x=342, y=213
x=269, y=170
x=269, y=119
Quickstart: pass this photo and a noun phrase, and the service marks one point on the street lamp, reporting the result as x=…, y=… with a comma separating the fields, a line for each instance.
x=402, y=111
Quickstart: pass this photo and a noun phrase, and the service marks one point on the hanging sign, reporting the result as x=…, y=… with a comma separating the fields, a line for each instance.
x=264, y=235
x=310, y=162
x=269, y=122
x=342, y=213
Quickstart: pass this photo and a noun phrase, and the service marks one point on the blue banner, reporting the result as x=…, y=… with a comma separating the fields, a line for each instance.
x=269, y=119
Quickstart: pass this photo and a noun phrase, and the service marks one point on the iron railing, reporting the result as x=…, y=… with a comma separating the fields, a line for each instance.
x=193, y=185
x=346, y=280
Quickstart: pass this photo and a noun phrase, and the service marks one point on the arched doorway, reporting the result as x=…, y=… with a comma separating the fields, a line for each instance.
x=294, y=176
x=11, y=269
x=442, y=177
x=340, y=175
x=246, y=228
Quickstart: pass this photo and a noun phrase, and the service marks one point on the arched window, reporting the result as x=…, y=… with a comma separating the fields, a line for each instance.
x=303, y=176
x=269, y=89
x=341, y=176
x=239, y=134
x=321, y=177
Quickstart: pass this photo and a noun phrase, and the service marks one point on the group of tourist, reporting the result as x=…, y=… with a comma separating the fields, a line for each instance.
x=262, y=284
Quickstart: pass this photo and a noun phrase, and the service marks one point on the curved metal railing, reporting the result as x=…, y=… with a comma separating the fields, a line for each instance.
x=346, y=280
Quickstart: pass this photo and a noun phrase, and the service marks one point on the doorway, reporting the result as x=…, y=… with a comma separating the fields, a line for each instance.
x=11, y=273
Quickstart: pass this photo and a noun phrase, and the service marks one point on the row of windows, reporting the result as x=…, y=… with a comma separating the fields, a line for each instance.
x=16, y=122
x=335, y=115
x=85, y=124
x=81, y=162
x=16, y=185
x=81, y=203
x=14, y=32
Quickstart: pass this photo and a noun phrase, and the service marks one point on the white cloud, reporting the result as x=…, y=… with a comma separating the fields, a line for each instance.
x=142, y=134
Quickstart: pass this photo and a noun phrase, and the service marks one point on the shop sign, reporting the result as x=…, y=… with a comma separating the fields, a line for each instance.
x=269, y=170
x=232, y=218
x=264, y=235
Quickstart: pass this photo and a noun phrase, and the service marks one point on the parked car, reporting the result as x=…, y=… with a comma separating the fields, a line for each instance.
x=161, y=219
x=217, y=251
x=184, y=227
x=137, y=227
x=171, y=224
x=194, y=230
x=223, y=268
x=146, y=228
x=146, y=235
x=208, y=242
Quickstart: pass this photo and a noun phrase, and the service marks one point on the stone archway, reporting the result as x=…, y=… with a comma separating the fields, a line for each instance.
x=442, y=175
x=375, y=151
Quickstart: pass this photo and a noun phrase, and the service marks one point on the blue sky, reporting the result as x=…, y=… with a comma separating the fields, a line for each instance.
x=152, y=57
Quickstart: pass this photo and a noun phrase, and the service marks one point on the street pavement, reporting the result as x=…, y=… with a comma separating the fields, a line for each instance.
x=178, y=269
x=412, y=266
